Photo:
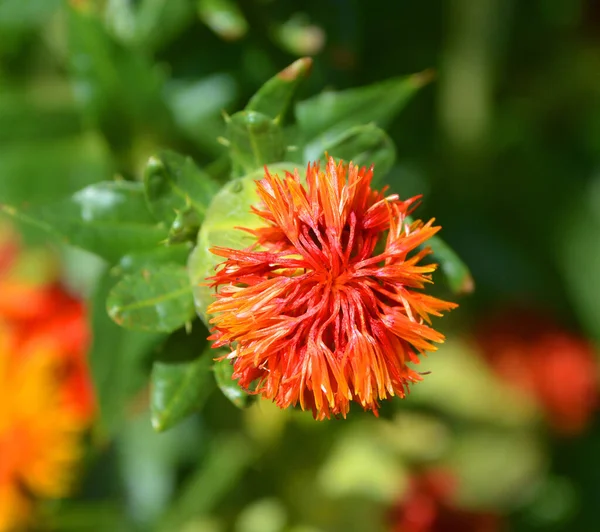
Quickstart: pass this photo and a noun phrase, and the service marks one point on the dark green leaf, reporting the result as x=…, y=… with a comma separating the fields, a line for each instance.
x=229, y=209
x=364, y=146
x=116, y=361
x=254, y=140
x=274, y=97
x=74, y=516
x=455, y=271
x=230, y=388
x=182, y=378
x=327, y=115
x=173, y=183
x=109, y=219
x=157, y=298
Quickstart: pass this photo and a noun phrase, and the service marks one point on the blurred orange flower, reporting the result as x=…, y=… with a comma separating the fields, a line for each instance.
x=47, y=399
x=326, y=307
x=428, y=507
x=556, y=367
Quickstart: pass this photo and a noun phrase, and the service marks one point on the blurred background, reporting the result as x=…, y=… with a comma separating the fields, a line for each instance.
x=504, y=145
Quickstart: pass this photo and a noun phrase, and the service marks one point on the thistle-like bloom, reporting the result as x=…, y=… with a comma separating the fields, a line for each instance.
x=326, y=306
x=46, y=395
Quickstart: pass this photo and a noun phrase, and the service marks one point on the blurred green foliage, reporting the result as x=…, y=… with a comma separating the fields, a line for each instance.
x=99, y=99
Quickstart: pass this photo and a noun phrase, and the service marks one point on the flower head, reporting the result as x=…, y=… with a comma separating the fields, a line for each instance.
x=51, y=314
x=326, y=306
x=39, y=433
x=555, y=367
x=47, y=399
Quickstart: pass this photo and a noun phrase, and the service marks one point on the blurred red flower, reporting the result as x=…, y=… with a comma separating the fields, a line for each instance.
x=47, y=399
x=327, y=307
x=556, y=367
x=427, y=507
x=49, y=314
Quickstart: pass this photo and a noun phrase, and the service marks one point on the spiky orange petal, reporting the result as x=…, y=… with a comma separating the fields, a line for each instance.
x=313, y=312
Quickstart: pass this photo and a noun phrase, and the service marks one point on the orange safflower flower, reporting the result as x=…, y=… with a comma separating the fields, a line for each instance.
x=52, y=314
x=39, y=433
x=555, y=367
x=325, y=308
x=46, y=395
x=427, y=507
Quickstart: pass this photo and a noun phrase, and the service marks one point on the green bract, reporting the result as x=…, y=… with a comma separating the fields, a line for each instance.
x=229, y=210
x=254, y=140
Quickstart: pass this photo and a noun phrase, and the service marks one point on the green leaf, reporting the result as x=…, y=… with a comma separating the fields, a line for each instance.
x=227, y=458
x=364, y=146
x=327, y=115
x=231, y=389
x=76, y=515
x=577, y=254
x=118, y=87
x=156, y=298
x=455, y=271
x=274, y=97
x=150, y=466
x=299, y=36
x=182, y=378
x=132, y=262
x=61, y=166
x=174, y=184
x=109, y=219
x=16, y=14
x=36, y=115
x=116, y=360
x=197, y=108
x=223, y=17
x=254, y=140
x=147, y=23
x=229, y=209
x=185, y=227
